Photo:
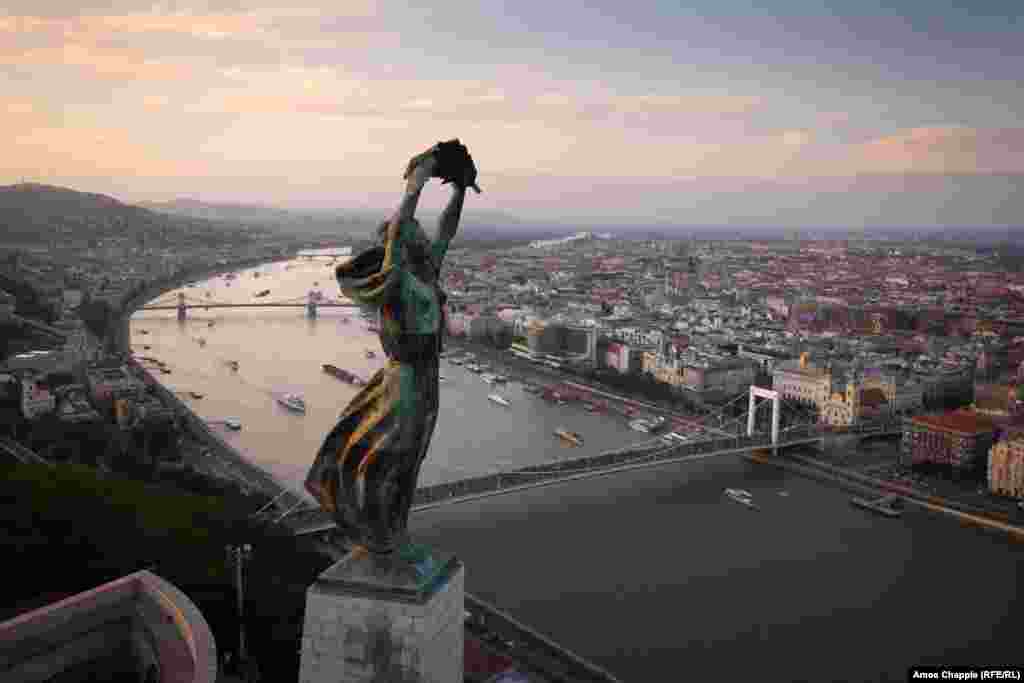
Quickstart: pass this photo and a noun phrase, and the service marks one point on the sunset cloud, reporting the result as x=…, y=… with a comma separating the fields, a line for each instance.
x=84, y=151
x=945, y=149
x=106, y=64
x=343, y=93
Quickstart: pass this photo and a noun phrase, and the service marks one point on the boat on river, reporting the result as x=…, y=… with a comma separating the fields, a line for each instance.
x=233, y=423
x=886, y=505
x=292, y=402
x=344, y=375
x=498, y=399
x=741, y=496
x=640, y=426
x=262, y=293
x=572, y=437
x=370, y=354
x=657, y=424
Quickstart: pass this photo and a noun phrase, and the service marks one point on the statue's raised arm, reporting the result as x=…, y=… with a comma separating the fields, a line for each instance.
x=366, y=471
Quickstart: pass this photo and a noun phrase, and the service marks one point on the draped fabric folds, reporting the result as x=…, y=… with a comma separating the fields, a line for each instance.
x=366, y=470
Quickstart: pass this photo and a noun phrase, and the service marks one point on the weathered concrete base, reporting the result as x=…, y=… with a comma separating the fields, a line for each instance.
x=398, y=619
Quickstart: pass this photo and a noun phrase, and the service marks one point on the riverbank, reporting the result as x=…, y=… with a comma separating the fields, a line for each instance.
x=684, y=417
x=249, y=476
x=863, y=484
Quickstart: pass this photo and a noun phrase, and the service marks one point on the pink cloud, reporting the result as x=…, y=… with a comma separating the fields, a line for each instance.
x=104, y=63
x=37, y=148
x=944, y=149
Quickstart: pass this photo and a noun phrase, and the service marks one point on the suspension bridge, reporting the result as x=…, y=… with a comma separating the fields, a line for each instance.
x=721, y=432
x=311, y=302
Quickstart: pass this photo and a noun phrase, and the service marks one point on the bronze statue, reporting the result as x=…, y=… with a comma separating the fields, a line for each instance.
x=366, y=470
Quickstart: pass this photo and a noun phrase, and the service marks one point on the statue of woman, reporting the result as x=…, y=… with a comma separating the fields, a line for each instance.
x=366, y=470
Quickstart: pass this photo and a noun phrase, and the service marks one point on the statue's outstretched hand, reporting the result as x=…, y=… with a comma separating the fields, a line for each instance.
x=449, y=161
x=455, y=165
x=422, y=166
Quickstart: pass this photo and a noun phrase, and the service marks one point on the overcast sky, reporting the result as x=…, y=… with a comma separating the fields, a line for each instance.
x=817, y=112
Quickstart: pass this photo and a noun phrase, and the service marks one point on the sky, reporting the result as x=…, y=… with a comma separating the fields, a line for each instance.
x=720, y=112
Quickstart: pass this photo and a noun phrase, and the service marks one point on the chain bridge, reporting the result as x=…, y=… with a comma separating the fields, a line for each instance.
x=311, y=302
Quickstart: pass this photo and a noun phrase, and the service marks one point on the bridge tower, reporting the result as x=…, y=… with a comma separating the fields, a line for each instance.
x=755, y=392
x=311, y=304
x=182, y=310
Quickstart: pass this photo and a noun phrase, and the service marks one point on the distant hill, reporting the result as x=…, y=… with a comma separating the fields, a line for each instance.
x=35, y=213
x=476, y=225
x=312, y=223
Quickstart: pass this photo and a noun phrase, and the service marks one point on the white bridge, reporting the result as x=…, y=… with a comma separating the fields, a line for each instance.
x=721, y=434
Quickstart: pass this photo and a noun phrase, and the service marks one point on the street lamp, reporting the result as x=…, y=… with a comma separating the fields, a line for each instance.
x=237, y=555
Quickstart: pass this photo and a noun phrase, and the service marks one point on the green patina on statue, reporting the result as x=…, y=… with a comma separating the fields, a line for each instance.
x=366, y=471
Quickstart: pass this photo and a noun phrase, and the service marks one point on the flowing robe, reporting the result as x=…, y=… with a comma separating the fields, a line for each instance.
x=365, y=472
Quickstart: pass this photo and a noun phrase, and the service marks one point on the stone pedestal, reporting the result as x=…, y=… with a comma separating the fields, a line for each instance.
x=396, y=619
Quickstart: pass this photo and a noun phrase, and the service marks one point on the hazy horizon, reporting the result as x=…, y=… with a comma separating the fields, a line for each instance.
x=837, y=114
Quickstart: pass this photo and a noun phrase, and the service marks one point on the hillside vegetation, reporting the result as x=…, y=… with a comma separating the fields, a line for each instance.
x=34, y=213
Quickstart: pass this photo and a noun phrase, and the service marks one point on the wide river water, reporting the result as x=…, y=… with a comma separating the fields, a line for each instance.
x=280, y=351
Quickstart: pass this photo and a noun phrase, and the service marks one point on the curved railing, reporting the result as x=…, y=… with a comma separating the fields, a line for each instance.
x=169, y=633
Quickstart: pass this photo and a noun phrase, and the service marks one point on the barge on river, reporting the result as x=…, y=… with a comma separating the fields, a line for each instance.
x=343, y=375
x=886, y=505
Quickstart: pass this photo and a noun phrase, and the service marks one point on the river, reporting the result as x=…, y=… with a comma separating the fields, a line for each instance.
x=656, y=576
x=279, y=351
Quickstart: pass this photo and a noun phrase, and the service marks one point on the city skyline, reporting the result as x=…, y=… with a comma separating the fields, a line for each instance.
x=722, y=114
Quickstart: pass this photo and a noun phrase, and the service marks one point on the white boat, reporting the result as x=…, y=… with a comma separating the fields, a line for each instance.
x=489, y=379
x=498, y=399
x=233, y=423
x=292, y=402
x=640, y=426
x=442, y=378
x=740, y=496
